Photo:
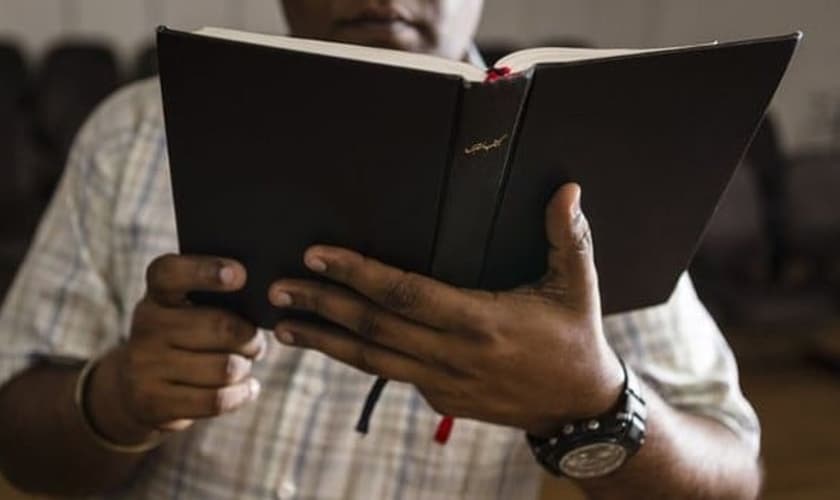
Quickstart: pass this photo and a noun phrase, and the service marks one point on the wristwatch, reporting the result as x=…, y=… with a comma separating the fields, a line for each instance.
x=595, y=447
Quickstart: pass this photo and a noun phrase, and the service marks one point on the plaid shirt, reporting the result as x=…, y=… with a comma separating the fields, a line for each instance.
x=74, y=297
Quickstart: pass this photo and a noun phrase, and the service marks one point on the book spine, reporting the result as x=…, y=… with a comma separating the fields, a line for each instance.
x=484, y=138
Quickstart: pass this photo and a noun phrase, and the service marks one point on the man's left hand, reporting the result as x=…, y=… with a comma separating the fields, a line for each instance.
x=534, y=357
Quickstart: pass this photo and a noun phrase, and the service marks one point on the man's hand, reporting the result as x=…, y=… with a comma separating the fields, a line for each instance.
x=533, y=357
x=181, y=362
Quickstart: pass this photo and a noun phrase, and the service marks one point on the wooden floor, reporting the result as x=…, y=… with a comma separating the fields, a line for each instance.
x=799, y=406
x=798, y=402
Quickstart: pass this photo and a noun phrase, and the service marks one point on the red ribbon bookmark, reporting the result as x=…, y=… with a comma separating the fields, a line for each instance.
x=444, y=429
x=494, y=74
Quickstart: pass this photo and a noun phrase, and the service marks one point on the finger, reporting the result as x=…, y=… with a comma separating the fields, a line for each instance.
x=180, y=402
x=176, y=425
x=215, y=330
x=364, y=318
x=170, y=277
x=203, y=330
x=408, y=294
x=203, y=369
x=349, y=349
x=571, y=265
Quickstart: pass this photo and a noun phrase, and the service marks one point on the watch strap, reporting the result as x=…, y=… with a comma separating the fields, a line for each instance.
x=623, y=426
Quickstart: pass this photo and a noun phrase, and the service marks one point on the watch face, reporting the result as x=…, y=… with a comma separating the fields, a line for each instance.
x=593, y=460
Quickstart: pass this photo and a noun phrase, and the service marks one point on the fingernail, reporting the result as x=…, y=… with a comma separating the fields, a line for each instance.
x=227, y=275
x=316, y=264
x=282, y=298
x=576, y=205
x=285, y=337
x=254, y=388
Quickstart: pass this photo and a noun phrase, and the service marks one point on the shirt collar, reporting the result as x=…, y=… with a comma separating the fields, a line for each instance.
x=475, y=58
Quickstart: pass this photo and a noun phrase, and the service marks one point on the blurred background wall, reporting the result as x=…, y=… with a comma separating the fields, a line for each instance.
x=809, y=102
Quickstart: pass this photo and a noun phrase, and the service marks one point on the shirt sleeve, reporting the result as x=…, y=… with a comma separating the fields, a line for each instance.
x=61, y=306
x=680, y=352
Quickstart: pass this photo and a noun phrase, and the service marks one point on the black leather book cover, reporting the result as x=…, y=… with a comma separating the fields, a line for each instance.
x=653, y=140
x=487, y=127
x=273, y=150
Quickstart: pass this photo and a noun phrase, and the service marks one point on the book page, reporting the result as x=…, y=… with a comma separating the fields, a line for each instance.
x=517, y=61
x=524, y=59
x=398, y=58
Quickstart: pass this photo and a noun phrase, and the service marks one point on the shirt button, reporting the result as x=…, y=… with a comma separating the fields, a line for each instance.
x=286, y=491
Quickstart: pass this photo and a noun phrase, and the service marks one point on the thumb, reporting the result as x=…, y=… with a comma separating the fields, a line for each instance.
x=571, y=266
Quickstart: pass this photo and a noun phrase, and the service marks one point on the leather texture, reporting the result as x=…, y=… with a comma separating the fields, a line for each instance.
x=273, y=150
x=488, y=117
x=653, y=141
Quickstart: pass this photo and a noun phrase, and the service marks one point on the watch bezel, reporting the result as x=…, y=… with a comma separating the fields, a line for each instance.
x=604, y=469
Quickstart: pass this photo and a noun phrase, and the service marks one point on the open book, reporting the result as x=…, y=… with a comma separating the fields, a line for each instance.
x=442, y=168
x=514, y=63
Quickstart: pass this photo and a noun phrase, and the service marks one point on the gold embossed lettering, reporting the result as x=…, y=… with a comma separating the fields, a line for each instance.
x=479, y=147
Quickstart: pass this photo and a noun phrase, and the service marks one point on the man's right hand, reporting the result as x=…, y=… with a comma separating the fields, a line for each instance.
x=181, y=362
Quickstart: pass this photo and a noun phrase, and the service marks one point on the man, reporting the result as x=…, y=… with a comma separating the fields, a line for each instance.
x=178, y=401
